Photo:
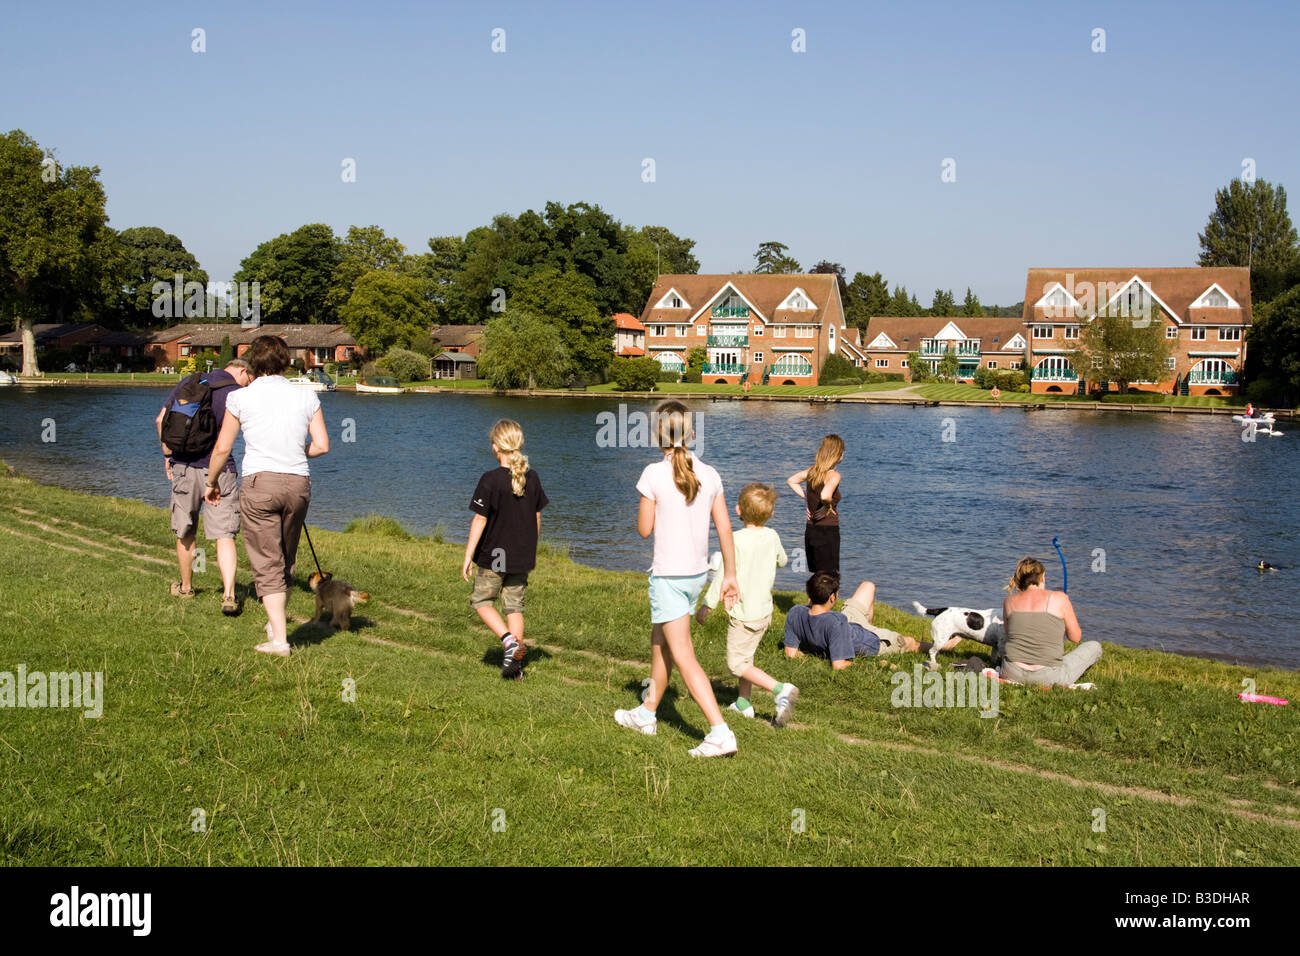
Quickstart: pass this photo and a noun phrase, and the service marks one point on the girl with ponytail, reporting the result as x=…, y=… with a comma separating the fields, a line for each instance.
x=507, y=506
x=679, y=496
x=821, y=536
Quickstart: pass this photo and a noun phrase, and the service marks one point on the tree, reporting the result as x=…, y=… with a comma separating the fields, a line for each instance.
x=696, y=358
x=918, y=368
x=900, y=303
x=772, y=258
x=1121, y=349
x=972, y=307
x=944, y=303
x=948, y=366
x=568, y=300
x=438, y=269
x=295, y=274
x=653, y=251
x=521, y=350
x=1275, y=349
x=1250, y=227
x=866, y=295
x=385, y=310
x=152, y=255
x=227, y=351
x=364, y=249
x=825, y=267
x=54, y=236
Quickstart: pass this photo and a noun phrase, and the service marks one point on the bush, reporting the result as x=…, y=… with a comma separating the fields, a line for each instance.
x=694, y=376
x=635, y=374
x=842, y=381
x=665, y=376
x=837, y=368
x=405, y=365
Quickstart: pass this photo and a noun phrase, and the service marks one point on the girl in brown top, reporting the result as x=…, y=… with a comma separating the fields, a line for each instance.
x=1038, y=621
x=821, y=536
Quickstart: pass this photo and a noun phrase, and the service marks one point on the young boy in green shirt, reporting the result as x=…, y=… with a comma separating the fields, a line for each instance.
x=758, y=555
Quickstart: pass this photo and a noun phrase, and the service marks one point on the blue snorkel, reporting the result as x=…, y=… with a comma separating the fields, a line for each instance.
x=1065, y=578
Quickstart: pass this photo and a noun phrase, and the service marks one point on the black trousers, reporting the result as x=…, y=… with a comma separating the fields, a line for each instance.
x=821, y=543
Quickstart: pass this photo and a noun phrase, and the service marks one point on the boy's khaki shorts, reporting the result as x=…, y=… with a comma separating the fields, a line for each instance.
x=743, y=638
x=488, y=585
x=891, y=642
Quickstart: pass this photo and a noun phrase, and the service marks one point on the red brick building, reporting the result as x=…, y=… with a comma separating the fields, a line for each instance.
x=316, y=345
x=764, y=329
x=1205, y=313
x=978, y=342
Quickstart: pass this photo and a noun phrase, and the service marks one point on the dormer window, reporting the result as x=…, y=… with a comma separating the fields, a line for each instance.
x=1214, y=299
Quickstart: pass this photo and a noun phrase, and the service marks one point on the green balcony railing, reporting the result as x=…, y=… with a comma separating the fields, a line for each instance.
x=1225, y=377
x=778, y=369
x=713, y=368
x=729, y=312
x=1054, y=375
x=931, y=350
x=729, y=341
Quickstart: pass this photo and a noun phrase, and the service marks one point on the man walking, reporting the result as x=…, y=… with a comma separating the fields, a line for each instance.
x=197, y=406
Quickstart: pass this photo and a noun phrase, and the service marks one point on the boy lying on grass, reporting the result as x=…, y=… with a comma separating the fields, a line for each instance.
x=815, y=629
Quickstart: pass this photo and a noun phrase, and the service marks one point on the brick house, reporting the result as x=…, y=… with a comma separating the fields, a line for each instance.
x=629, y=336
x=466, y=339
x=1205, y=313
x=978, y=342
x=764, y=329
x=316, y=345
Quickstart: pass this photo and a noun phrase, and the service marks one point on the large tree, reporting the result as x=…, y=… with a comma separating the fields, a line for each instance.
x=826, y=267
x=387, y=310
x=653, y=251
x=438, y=269
x=867, y=295
x=363, y=250
x=568, y=299
x=972, y=305
x=1120, y=349
x=1275, y=350
x=295, y=274
x=1250, y=227
x=900, y=303
x=772, y=257
x=521, y=350
x=943, y=303
x=153, y=255
x=54, y=237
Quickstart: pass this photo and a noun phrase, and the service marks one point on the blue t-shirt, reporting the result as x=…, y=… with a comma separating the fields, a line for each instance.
x=828, y=635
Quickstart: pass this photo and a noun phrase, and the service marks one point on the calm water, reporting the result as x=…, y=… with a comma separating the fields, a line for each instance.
x=1181, y=507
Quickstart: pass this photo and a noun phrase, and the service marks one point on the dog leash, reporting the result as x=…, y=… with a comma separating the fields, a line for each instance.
x=1065, y=577
x=313, y=549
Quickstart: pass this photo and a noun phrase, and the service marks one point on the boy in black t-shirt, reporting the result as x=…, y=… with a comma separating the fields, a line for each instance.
x=507, y=506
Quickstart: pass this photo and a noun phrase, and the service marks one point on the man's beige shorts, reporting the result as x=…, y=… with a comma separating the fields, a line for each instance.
x=891, y=642
x=488, y=584
x=220, y=520
x=743, y=638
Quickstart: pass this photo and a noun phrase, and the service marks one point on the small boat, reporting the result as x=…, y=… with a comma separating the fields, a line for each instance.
x=1265, y=419
x=315, y=379
x=1257, y=425
x=8, y=378
x=380, y=384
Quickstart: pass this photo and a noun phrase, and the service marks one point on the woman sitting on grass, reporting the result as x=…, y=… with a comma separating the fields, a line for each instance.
x=1038, y=621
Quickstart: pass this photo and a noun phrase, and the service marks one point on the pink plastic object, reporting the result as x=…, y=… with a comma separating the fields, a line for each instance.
x=1261, y=699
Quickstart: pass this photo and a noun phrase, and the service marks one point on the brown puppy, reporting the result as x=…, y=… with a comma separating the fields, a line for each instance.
x=338, y=596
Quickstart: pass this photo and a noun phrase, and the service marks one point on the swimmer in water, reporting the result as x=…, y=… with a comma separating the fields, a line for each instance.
x=1264, y=566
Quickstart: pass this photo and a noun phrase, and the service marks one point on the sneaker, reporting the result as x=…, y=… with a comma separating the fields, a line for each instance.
x=178, y=591
x=720, y=744
x=627, y=718
x=512, y=667
x=785, y=704
x=746, y=712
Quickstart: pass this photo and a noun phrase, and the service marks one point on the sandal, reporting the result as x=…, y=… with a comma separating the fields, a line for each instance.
x=178, y=591
x=229, y=606
x=271, y=647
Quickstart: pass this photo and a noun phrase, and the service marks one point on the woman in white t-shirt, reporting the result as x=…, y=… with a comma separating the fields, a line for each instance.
x=283, y=427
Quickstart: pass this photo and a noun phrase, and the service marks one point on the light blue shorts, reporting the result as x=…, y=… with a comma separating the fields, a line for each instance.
x=674, y=597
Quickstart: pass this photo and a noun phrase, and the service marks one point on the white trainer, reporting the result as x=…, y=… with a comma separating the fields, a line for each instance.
x=627, y=718
x=719, y=744
x=744, y=712
x=785, y=704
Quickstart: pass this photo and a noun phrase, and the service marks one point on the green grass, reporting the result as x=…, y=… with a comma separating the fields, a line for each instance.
x=944, y=392
x=74, y=377
x=287, y=770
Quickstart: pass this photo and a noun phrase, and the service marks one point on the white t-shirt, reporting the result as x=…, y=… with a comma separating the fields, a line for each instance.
x=681, y=530
x=758, y=555
x=274, y=415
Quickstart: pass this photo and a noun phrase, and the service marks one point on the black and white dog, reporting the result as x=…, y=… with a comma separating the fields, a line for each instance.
x=951, y=624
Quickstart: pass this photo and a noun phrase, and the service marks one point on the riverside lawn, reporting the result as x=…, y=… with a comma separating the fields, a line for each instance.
x=208, y=753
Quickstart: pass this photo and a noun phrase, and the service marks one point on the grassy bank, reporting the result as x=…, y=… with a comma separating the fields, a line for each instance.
x=285, y=770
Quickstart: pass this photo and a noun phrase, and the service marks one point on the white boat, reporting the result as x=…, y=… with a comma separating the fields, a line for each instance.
x=6, y=378
x=1261, y=425
x=380, y=385
x=1265, y=419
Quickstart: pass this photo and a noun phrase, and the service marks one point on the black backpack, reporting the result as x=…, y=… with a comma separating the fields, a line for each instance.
x=189, y=429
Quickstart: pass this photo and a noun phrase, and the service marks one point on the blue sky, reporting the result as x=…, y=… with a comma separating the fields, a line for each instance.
x=1063, y=156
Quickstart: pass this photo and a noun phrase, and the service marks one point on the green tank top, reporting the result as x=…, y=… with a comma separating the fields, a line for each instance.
x=1035, y=637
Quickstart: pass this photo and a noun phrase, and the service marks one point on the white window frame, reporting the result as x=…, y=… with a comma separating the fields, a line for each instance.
x=757, y=357
x=1233, y=333
x=1071, y=331
x=659, y=331
x=1044, y=332
x=778, y=332
x=882, y=363
x=679, y=331
x=805, y=332
x=1015, y=366
x=1171, y=331
x=903, y=363
x=758, y=330
x=1171, y=363
x=1196, y=334
x=702, y=330
x=993, y=363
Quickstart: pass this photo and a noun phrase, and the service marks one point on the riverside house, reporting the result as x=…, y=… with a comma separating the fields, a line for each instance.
x=629, y=336
x=465, y=339
x=1204, y=312
x=978, y=342
x=316, y=345
x=763, y=329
